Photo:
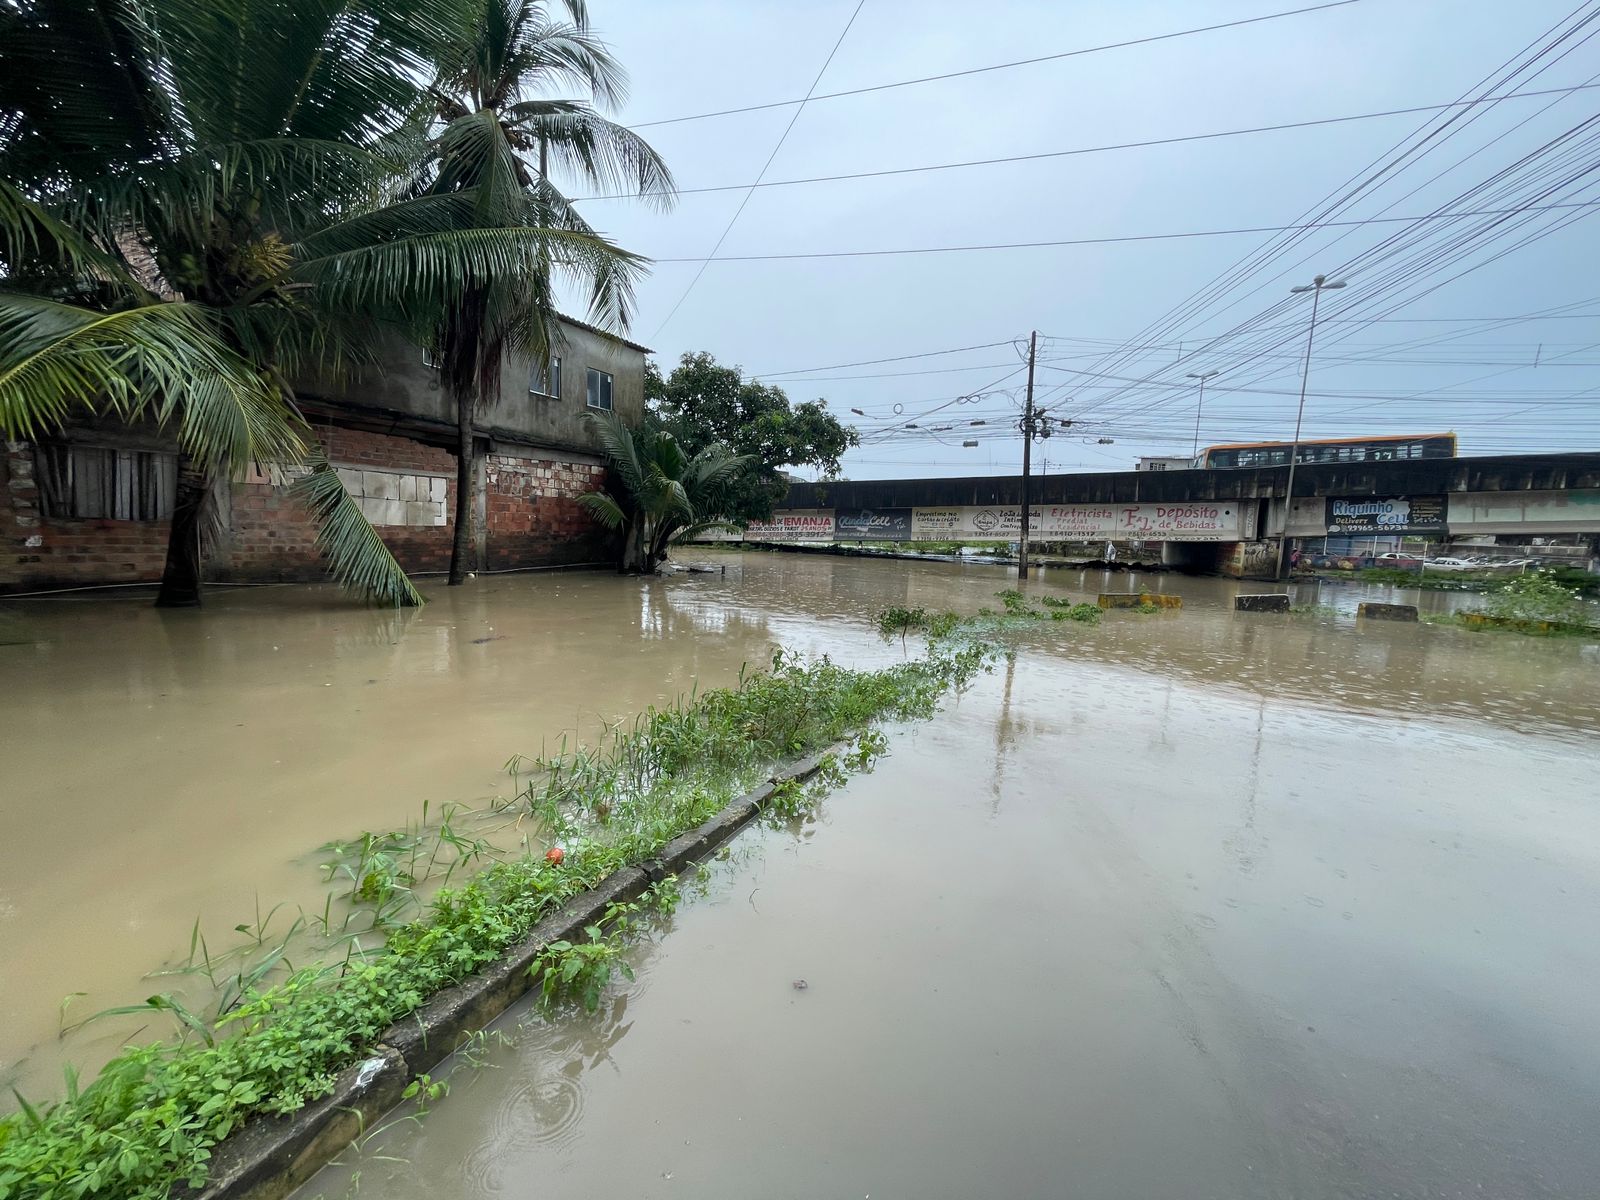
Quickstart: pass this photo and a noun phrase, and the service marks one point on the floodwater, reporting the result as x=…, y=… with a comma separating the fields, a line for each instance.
x=1186, y=905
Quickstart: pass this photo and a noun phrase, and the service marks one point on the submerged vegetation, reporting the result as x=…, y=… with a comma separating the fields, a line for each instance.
x=1536, y=603
x=152, y=1117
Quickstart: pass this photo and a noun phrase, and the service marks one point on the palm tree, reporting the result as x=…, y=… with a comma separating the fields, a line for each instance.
x=667, y=494
x=490, y=126
x=201, y=200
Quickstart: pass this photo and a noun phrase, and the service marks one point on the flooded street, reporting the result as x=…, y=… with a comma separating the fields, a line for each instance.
x=1198, y=904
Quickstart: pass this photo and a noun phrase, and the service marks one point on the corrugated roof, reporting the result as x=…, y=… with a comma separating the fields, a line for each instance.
x=605, y=333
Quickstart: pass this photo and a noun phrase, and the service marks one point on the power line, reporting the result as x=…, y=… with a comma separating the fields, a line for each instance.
x=1110, y=146
x=843, y=33
x=1142, y=237
x=872, y=362
x=1410, y=150
x=1021, y=62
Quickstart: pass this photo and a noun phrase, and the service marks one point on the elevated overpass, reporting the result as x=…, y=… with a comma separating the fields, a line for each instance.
x=1227, y=520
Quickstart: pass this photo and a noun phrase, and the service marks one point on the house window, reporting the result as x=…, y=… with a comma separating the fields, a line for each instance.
x=539, y=384
x=599, y=389
x=119, y=485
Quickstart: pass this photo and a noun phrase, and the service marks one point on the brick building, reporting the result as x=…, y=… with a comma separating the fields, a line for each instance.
x=91, y=505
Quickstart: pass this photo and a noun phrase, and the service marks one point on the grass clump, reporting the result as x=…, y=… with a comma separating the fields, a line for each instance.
x=1536, y=603
x=150, y=1120
x=1537, y=596
x=1433, y=581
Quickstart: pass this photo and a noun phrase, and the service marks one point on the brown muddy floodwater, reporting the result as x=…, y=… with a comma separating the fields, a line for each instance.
x=1189, y=905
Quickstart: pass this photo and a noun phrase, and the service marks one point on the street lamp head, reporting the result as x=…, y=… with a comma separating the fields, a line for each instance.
x=1202, y=376
x=1319, y=284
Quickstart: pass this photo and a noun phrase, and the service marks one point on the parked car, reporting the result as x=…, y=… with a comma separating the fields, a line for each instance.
x=1394, y=558
x=1451, y=564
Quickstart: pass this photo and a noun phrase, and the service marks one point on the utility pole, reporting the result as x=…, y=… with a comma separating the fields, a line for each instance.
x=1027, y=464
x=1198, y=405
x=1316, y=287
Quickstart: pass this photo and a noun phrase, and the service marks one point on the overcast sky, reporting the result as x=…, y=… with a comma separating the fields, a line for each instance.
x=782, y=319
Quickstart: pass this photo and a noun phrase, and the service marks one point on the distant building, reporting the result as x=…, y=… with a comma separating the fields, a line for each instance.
x=1164, y=463
x=92, y=503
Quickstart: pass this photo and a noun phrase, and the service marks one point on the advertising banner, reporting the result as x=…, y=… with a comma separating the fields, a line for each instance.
x=794, y=525
x=892, y=524
x=1212, y=521
x=998, y=523
x=1373, y=514
x=1203, y=522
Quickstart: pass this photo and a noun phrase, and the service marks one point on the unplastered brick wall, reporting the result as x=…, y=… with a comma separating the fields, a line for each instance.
x=532, y=512
x=531, y=509
x=45, y=552
x=405, y=488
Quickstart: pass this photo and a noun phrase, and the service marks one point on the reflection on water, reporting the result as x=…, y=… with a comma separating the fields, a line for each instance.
x=1100, y=931
x=164, y=765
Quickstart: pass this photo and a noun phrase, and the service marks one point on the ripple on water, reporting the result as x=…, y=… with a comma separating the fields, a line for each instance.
x=543, y=1111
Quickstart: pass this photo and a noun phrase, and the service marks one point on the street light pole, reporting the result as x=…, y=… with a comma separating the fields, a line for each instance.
x=1198, y=405
x=1316, y=287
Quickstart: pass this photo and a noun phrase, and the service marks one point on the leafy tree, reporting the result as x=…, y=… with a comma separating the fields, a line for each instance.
x=201, y=200
x=487, y=129
x=665, y=492
x=703, y=403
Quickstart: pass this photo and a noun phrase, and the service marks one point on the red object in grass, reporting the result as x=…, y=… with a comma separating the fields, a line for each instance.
x=554, y=855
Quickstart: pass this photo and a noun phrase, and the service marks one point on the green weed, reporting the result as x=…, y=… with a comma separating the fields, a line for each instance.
x=149, y=1122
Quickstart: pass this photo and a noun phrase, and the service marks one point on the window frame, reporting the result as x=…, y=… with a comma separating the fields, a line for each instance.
x=536, y=375
x=134, y=484
x=599, y=388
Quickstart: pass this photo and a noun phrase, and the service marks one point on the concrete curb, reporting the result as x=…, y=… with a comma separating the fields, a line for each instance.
x=1374, y=611
x=1274, y=602
x=436, y=1030
x=271, y=1156
x=1138, y=599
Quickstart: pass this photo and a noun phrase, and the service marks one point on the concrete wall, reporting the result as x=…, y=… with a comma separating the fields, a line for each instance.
x=401, y=388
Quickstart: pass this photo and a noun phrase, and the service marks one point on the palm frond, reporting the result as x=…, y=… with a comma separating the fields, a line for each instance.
x=715, y=464
x=603, y=154
x=475, y=157
x=161, y=359
x=356, y=554
x=617, y=443
x=695, y=528
x=603, y=508
x=417, y=272
x=31, y=237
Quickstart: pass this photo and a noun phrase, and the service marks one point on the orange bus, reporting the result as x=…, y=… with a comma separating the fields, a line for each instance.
x=1331, y=450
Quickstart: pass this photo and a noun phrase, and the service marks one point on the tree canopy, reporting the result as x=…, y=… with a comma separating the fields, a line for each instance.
x=703, y=403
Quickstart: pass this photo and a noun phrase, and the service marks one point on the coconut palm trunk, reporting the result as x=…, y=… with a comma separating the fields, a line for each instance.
x=180, y=578
x=461, y=549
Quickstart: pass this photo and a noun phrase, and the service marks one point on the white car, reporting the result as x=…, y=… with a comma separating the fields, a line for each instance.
x=1451, y=564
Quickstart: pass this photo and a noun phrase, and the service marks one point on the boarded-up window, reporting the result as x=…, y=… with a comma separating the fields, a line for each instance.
x=94, y=481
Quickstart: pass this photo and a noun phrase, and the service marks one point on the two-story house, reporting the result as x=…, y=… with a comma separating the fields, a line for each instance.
x=92, y=504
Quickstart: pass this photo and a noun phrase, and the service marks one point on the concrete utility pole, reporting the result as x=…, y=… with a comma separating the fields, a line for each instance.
x=1027, y=464
x=1316, y=287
